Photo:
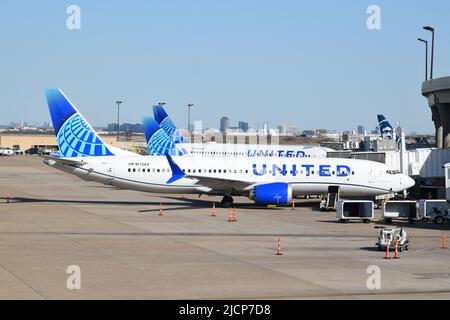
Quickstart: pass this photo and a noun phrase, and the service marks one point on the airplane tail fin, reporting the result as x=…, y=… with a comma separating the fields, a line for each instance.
x=383, y=123
x=75, y=137
x=385, y=126
x=158, y=142
x=163, y=119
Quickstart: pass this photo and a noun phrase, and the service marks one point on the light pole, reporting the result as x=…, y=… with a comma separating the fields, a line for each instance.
x=118, y=117
x=426, y=57
x=431, y=29
x=189, y=116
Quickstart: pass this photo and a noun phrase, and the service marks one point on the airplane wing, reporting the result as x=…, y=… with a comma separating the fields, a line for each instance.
x=221, y=183
x=209, y=182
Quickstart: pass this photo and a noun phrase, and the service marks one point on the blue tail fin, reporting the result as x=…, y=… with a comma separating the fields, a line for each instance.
x=158, y=142
x=386, y=129
x=166, y=123
x=74, y=135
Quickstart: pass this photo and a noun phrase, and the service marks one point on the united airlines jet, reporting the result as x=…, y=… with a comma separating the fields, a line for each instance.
x=231, y=149
x=265, y=180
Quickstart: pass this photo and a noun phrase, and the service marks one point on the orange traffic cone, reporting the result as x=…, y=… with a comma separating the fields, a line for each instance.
x=213, y=210
x=444, y=240
x=234, y=214
x=230, y=217
x=160, y=209
x=387, y=252
x=279, y=247
x=8, y=196
x=396, y=250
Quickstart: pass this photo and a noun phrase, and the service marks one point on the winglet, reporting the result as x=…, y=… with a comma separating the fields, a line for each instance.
x=177, y=173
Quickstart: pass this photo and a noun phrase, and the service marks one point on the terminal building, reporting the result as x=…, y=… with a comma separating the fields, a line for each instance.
x=26, y=141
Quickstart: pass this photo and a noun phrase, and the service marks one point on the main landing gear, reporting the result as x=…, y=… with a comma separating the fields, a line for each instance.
x=227, y=201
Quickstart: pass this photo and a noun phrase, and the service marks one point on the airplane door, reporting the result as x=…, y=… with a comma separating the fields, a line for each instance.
x=372, y=175
x=110, y=171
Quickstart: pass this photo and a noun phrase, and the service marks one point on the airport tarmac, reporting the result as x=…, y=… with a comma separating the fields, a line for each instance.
x=125, y=250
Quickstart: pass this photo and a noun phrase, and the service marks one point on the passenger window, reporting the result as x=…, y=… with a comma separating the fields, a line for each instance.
x=157, y=170
x=134, y=169
x=129, y=170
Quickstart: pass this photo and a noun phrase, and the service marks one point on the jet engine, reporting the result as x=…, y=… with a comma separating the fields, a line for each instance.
x=278, y=193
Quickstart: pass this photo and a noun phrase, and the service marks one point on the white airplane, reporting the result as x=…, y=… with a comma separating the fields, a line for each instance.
x=265, y=180
x=184, y=147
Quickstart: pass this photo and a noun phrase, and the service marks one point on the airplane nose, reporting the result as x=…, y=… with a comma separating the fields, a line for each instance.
x=408, y=182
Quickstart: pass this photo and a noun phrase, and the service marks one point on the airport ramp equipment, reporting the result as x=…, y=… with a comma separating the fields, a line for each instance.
x=359, y=210
x=400, y=210
x=426, y=207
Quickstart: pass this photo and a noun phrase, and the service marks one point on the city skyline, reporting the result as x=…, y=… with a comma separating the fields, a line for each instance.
x=283, y=62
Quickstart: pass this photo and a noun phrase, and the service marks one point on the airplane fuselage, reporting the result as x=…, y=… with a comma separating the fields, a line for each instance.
x=312, y=176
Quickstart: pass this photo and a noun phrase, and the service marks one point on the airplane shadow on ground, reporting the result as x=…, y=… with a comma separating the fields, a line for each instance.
x=178, y=202
x=205, y=203
x=68, y=201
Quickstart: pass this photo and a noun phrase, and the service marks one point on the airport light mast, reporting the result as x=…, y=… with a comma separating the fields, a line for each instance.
x=431, y=29
x=189, y=117
x=118, y=117
x=426, y=57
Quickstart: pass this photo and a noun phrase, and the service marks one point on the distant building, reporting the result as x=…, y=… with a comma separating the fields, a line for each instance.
x=321, y=131
x=243, y=126
x=282, y=129
x=361, y=129
x=198, y=126
x=293, y=130
x=308, y=133
x=126, y=127
x=224, y=124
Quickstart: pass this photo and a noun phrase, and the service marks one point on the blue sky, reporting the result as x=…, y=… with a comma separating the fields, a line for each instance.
x=313, y=64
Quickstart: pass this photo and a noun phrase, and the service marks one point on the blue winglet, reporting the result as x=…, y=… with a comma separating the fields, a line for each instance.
x=177, y=173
